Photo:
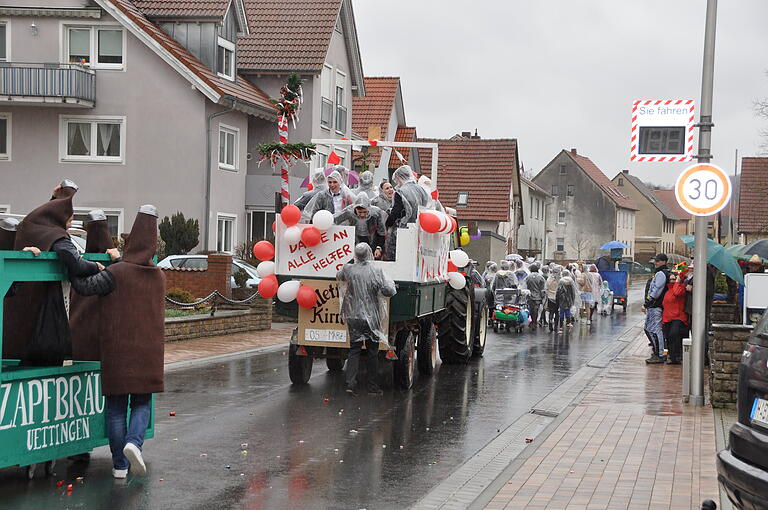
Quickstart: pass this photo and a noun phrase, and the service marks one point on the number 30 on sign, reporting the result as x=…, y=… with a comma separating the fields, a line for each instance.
x=703, y=189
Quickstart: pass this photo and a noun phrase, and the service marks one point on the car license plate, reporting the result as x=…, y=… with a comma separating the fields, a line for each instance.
x=760, y=411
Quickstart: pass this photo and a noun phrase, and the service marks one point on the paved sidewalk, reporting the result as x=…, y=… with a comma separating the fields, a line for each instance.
x=185, y=350
x=629, y=444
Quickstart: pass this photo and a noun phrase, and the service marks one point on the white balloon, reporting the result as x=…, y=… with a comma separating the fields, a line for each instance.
x=292, y=235
x=288, y=290
x=265, y=268
x=323, y=220
x=455, y=280
x=459, y=257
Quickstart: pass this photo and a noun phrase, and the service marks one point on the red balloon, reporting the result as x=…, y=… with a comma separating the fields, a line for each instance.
x=454, y=223
x=268, y=286
x=306, y=297
x=264, y=250
x=290, y=215
x=452, y=267
x=274, y=226
x=429, y=222
x=310, y=236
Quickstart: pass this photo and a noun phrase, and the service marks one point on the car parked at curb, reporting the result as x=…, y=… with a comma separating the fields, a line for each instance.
x=201, y=262
x=742, y=469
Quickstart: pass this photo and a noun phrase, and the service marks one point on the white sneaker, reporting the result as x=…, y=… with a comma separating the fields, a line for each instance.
x=589, y=321
x=119, y=473
x=133, y=454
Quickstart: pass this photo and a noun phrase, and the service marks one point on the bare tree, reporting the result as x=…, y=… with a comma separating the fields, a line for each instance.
x=581, y=245
x=761, y=110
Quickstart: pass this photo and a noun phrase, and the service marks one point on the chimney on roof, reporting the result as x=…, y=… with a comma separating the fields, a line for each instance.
x=573, y=151
x=466, y=134
x=476, y=136
x=625, y=172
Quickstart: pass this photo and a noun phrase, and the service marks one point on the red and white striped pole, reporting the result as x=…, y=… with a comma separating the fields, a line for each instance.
x=282, y=132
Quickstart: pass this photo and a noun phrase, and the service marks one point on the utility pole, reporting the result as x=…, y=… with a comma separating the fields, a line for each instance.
x=699, y=332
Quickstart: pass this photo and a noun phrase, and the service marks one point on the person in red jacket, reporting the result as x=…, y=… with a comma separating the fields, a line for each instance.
x=674, y=319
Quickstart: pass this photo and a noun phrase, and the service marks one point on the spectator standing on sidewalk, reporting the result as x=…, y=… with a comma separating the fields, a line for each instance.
x=536, y=284
x=362, y=285
x=655, y=289
x=674, y=319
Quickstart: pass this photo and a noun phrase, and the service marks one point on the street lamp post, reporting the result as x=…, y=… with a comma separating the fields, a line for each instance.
x=699, y=332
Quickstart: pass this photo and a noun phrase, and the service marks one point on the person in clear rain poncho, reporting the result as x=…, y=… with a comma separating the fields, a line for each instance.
x=366, y=185
x=362, y=288
x=490, y=272
x=535, y=283
x=566, y=299
x=368, y=221
x=334, y=198
x=504, y=278
x=318, y=184
x=385, y=199
x=405, y=209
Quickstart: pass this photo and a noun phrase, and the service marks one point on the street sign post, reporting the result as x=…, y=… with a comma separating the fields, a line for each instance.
x=662, y=131
x=703, y=189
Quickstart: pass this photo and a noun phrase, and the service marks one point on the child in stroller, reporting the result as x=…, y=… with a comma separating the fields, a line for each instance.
x=510, y=309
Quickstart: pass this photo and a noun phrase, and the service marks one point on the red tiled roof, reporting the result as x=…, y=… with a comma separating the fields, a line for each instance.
x=602, y=180
x=287, y=35
x=667, y=196
x=403, y=134
x=183, y=8
x=482, y=168
x=242, y=90
x=375, y=108
x=753, y=195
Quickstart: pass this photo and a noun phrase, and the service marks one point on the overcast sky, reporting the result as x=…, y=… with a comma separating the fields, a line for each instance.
x=563, y=73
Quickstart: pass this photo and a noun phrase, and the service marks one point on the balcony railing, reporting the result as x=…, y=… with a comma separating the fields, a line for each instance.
x=70, y=84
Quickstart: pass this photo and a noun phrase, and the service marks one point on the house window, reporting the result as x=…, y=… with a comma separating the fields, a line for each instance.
x=561, y=216
x=563, y=170
x=532, y=212
x=5, y=136
x=97, y=47
x=228, y=147
x=555, y=190
x=225, y=59
x=621, y=181
x=571, y=189
x=560, y=244
x=225, y=233
x=341, y=108
x=114, y=218
x=4, y=42
x=260, y=226
x=321, y=156
x=84, y=138
x=462, y=198
x=326, y=106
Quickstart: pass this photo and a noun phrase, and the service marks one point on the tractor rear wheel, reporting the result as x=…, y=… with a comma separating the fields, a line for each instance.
x=480, y=331
x=427, y=348
x=405, y=365
x=454, y=326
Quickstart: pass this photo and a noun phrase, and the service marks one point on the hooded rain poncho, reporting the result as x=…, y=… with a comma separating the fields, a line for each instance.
x=324, y=200
x=369, y=229
x=366, y=186
x=362, y=288
x=318, y=184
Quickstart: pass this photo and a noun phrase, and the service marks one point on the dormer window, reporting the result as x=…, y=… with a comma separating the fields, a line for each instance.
x=225, y=59
x=462, y=198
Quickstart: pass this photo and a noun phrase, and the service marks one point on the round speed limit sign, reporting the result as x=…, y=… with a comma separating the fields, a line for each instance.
x=703, y=189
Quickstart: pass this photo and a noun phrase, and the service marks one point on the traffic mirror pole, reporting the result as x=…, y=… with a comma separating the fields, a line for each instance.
x=699, y=330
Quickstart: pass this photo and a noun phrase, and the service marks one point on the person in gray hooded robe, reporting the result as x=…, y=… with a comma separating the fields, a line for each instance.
x=362, y=289
x=368, y=221
x=405, y=209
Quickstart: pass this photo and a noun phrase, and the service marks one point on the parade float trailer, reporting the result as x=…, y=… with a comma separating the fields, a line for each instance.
x=48, y=413
x=426, y=313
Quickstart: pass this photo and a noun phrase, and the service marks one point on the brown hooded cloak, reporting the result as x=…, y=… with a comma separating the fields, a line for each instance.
x=41, y=228
x=132, y=319
x=84, y=311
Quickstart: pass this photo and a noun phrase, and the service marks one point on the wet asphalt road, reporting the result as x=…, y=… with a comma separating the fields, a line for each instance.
x=304, y=452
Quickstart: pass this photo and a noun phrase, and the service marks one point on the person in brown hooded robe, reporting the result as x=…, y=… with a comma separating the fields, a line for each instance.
x=131, y=342
x=38, y=327
x=84, y=311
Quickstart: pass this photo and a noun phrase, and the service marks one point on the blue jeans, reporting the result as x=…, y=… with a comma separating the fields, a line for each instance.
x=120, y=431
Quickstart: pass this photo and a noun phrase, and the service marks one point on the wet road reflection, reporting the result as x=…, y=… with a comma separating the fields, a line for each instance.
x=304, y=452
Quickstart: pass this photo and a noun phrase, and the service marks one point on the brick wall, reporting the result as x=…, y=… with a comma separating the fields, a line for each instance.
x=256, y=318
x=201, y=282
x=725, y=313
x=725, y=354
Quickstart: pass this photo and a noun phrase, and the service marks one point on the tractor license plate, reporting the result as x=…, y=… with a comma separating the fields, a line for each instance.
x=760, y=412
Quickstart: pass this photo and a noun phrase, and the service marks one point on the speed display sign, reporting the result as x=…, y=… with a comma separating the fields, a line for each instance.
x=703, y=189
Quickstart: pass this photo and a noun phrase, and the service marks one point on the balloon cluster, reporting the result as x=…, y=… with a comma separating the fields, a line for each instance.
x=436, y=222
x=464, y=238
x=456, y=260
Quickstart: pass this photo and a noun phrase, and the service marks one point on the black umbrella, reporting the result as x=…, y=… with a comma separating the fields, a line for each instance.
x=759, y=248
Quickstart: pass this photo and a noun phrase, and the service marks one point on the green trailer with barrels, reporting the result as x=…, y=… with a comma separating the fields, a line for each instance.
x=47, y=413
